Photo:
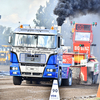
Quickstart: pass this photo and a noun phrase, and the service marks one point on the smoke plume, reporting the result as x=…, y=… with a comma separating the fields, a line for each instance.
x=75, y=8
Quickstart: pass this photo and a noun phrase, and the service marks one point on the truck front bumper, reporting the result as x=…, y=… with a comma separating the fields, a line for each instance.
x=50, y=71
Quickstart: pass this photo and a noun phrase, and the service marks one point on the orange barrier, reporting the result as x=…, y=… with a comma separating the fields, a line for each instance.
x=98, y=93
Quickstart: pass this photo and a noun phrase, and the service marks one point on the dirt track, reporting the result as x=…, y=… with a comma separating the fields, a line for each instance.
x=8, y=91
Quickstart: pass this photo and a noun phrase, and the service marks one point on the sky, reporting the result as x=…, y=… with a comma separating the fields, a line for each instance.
x=14, y=11
x=24, y=11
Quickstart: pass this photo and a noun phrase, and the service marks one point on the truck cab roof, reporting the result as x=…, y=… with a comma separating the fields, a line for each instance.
x=35, y=31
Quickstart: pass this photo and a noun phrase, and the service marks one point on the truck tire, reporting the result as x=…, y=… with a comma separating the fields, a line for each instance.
x=59, y=78
x=17, y=80
x=93, y=78
x=96, y=78
x=68, y=82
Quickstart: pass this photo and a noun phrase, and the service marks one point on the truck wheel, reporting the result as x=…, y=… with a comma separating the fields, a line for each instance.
x=96, y=78
x=17, y=80
x=93, y=78
x=68, y=82
x=59, y=78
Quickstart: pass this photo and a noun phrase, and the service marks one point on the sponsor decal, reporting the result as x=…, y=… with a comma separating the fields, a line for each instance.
x=85, y=48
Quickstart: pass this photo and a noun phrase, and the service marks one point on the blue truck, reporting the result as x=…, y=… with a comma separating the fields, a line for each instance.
x=36, y=55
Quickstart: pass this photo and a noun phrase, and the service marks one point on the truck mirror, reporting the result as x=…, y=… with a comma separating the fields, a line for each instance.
x=93, y=44
x=9, y=40
x=62, y=42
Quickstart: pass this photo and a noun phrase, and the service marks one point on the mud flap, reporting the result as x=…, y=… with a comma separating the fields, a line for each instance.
x=83, y=74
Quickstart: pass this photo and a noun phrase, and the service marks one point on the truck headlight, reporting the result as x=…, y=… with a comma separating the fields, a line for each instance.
x=14, y=72
x=14, y=68
x=50, y=70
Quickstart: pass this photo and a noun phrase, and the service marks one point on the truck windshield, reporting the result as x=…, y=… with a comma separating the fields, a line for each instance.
x=29, y=40
x=82, y=36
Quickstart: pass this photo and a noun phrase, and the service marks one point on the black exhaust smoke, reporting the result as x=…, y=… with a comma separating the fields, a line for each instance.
x=75, y=8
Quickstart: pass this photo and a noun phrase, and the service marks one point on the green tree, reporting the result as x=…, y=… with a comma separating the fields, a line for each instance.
x=45, y=16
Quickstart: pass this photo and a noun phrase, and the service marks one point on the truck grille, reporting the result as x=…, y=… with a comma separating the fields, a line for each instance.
x=32, y=64
x=32, y=58
x=31, y=74
x=37, y=73
x=26, y=73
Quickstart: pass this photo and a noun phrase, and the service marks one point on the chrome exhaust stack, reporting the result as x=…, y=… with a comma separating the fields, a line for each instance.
x=59, y=29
